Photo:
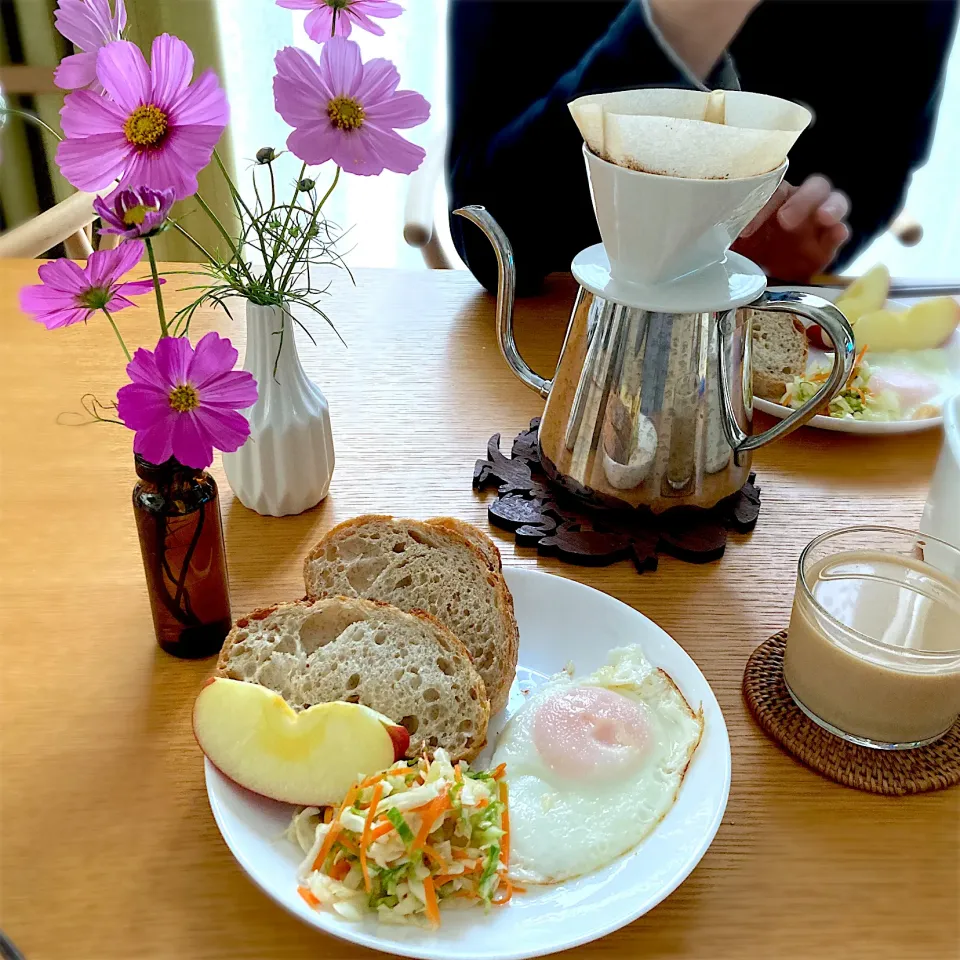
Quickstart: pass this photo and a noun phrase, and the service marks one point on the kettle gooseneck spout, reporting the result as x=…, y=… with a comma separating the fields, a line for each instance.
x=506, y=293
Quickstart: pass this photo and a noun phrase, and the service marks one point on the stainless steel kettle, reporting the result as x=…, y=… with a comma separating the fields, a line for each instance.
x=652, y=409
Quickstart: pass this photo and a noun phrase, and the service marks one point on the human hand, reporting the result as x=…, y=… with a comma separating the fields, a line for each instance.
x=799, y=231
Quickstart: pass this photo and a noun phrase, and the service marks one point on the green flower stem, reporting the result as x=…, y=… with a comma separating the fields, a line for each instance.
x=226, y=236
x=286, y=225
x=238, y=200
x=116, y=330
x=32, y=118
x=164, y=332
x=194, y=241
x=273, y=187
x=306, y=236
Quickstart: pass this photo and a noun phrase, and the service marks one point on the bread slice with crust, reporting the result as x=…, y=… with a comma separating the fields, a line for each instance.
x=779, y=353
x=443, y=566
x=404, y=665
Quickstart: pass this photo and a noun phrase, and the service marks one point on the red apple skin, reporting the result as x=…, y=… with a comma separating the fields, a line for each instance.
x=401, y=741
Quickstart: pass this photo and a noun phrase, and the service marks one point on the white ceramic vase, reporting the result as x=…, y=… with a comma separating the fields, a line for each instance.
x=286, y=465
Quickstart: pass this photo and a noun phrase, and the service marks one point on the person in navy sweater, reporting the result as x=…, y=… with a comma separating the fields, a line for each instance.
x=870, y=70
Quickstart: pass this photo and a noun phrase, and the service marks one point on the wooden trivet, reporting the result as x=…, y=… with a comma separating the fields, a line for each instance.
x=541, y=515
x=890, y=772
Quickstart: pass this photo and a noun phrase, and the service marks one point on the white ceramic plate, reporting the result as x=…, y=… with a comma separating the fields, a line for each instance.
x=560, y=620
x=951, y=353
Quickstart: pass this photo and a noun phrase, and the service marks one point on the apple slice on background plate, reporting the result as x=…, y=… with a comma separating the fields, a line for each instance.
x=310, y=758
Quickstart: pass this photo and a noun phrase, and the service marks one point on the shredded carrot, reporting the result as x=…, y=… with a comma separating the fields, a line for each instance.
x=855, y=369
x=441, y=878
x=469, y=894
x=430, y=895
x=437, y=807
x=460, y=853
x=310, y=899
x=434, y=855
x=505, y=825
x=483, y=802
x=365, y=835
x=458, y=774
x=340, y=869
x=500, y=771
x=380, y=831
x=348, y=844
x=507, y=889
x=327, y=844
x=335, y=828
x=327, y=814
x=376, y=778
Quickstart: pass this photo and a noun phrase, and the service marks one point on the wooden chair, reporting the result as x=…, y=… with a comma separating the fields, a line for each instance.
x=419, y=225
x=69, y=221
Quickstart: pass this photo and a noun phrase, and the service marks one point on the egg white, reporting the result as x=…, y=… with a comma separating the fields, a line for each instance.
x=562, y=827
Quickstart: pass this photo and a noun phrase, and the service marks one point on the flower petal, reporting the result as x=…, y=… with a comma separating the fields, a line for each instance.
x=297, y=4
x=93, y=163
x=136, y=288
x=140, y=406
x=391, y=150
x=85, y=114
x=319, y=21
x=78, y=22
x=341, y=67
x=171, y=63
x=191, y=442
x=380, y=79
x=154, y=443
x=227, y=429
x=124, y=73
x=213, y=356
x=63, y=274
x=316, y=144
x=234, y=389
x=143, y=369
x=406, y=108
x=203, y=102
x=76, y=71
x=173, y=355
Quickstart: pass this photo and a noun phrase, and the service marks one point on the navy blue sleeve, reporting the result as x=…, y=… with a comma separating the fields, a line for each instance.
x=522, y=160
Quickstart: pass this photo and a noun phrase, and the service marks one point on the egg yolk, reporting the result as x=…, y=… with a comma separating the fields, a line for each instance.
x=591, y=732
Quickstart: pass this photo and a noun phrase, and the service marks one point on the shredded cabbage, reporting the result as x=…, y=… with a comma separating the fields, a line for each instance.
x=390, y=862
x=856, y=401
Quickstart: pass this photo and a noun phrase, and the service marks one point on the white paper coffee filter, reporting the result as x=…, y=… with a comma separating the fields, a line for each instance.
x=662, y=131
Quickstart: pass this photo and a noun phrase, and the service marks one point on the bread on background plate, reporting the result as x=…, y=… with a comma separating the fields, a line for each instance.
x=779, y=353
x=447, y=568
x=407, y=666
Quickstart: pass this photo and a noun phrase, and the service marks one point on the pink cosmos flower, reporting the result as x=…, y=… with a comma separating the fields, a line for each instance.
x=134, y=213
x=88, y=25
x=183, y=402
x=347, y=110
x=154, y=129
x=71, y=293
x=319, y=22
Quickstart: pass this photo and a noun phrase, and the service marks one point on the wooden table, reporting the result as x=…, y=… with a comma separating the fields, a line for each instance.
x=109, y=850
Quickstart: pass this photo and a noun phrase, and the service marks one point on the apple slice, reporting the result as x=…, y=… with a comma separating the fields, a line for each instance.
x=923, y=326
x=311, y=758
x=866, y=294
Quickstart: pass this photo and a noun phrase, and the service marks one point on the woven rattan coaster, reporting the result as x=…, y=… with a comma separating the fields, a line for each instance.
x=891, y=772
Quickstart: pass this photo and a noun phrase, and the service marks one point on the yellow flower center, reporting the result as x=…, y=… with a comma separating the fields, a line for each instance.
x=184, y=398
x=146, y=126
x=135, y=215
x=345, y=113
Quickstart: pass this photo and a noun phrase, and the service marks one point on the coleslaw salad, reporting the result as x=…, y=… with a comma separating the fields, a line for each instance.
x=855, y=401
x=406, y=840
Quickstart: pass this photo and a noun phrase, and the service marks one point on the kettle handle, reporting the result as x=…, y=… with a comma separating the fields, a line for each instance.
x=506, y=292
x=836, y=327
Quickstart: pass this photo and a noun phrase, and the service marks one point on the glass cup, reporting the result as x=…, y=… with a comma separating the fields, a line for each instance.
x=873, y=649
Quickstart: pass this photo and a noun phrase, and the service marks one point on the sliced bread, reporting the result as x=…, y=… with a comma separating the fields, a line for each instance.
x=779, y=353
x=406, y=666
x=443, y=566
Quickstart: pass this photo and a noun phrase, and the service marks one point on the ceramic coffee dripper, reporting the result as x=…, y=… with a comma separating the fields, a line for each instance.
x=651, y=405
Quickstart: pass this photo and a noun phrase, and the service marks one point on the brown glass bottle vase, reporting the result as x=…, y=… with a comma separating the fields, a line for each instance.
x=177, y=510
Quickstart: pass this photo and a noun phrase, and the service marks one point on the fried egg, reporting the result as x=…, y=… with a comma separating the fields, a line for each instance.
x=593, y=765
